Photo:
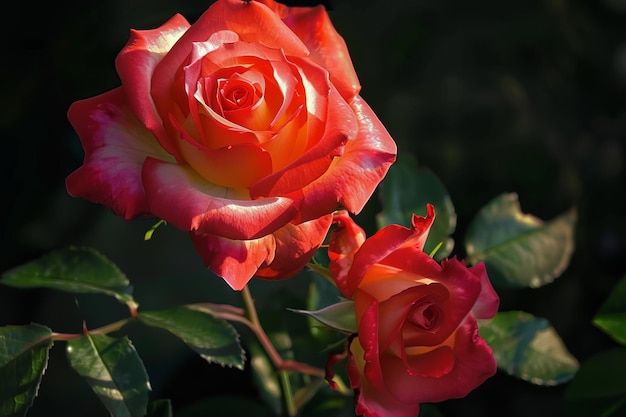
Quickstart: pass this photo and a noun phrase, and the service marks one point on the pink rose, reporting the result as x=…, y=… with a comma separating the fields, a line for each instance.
x=417, y=335
x=245, y=129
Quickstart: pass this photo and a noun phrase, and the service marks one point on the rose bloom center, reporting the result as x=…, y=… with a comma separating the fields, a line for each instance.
x=425, y=315
x=236, y=94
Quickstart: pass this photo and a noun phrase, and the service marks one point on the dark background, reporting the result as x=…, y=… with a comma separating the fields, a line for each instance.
x=494, y=97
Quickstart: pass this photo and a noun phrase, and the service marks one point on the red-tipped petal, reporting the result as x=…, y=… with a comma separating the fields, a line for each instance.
x=180, y=196
x=116, y=145
x=252, y=21
x=488, y=301
x=368, y=317
x=386, y=245
x=340, y=124
x=474, y=363
x=295, y=246
x=371, y=402
x=345, y=240
x=135, y=64
x=327, y=47
x=236, y=261
x=352, y=178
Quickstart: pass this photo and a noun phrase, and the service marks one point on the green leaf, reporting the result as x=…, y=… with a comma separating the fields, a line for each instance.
x=159, y=408
x=322, y=293
x=339, y=316
x=213, y=338
x=76, y=270
x=23, y=360
x=599, y=388
x=114, y=371
x=150, y=232
x=529, y=348
x=611, y=317
x=407, y=189
x=518, y=249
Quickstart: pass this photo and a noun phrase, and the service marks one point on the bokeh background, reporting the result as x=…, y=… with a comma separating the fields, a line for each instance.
x=493, y=96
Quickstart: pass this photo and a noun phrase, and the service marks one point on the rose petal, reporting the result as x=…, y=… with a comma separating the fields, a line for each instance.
x=371, y=402
x=352, y=178
x=254, y=58
x=452, y=287
x=303, y=132
x=340, y=124
x=385, y=281
x=181, y=197
x=386, y=242
x=116, y=145
x=233, y=166
x=236, y=261
x=488, y=301
x=345, y=240
x=367, y=318
x=393, y=315
x=355, y=364
x=432, y=364
x=474, y=363
x=295, y=246
x=327, y=47
x=463, y=288
x=135, y=65
x=252, y=21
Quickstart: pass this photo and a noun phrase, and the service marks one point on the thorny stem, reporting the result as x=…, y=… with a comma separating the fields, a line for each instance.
x=254, y=324
x=281, y=365
x=247, y=316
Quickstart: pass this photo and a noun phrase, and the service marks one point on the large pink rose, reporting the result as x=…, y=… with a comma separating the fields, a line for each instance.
x=245, y=128
x=417, y=335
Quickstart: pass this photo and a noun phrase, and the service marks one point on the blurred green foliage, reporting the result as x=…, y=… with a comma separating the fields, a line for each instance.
x=491, y=96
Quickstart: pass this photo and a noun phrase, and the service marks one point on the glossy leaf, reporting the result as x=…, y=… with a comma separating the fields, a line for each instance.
x=407, y=189
x=322, y=293
x=518, y=249
x=114, y=371
x=339, y=316
x=76, y=270
x=599, y=388
x=23, y=360
x=611, y=317
x=529, y=348
x=213, y=338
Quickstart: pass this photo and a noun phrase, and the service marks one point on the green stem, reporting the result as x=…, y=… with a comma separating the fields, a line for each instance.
x=265, y=341
x=290, y=403
x=256, y=327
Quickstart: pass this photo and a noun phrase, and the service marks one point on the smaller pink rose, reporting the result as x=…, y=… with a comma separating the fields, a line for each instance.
x=417, y=335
